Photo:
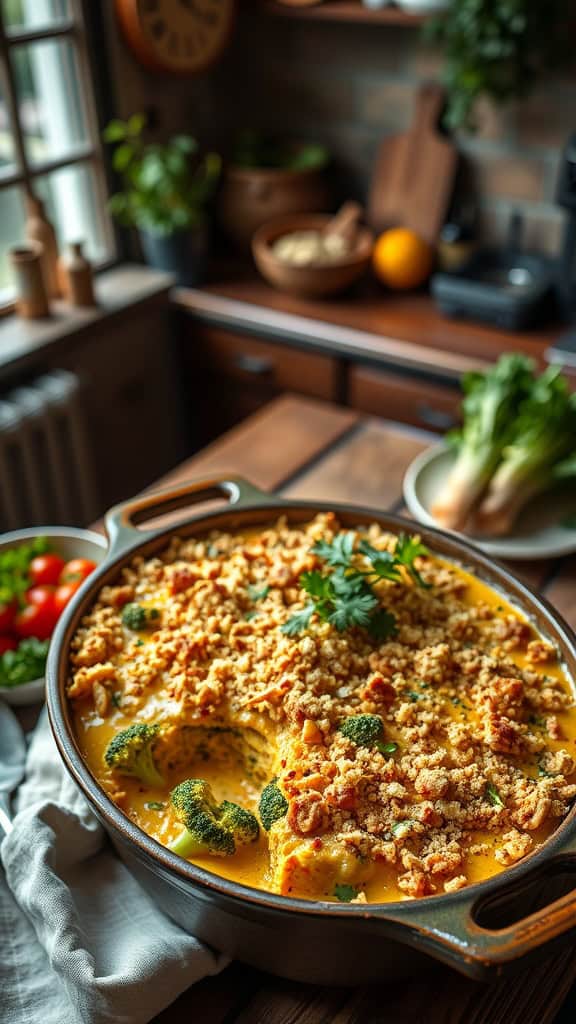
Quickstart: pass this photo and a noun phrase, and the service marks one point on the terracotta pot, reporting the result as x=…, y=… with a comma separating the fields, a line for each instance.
x=251, y=196
x=316, y=941
x=312, y=281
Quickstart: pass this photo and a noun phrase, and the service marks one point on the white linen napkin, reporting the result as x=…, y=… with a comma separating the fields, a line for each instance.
x=80, y=940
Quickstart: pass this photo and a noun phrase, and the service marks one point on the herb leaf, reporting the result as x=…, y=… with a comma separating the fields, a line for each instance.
x=493, y=796
x=407, y=549
x=26, y=663
x=154, y=805
x=382, y=625
x=387, y=748
x=401, y=828
x=14, y=564
x=336, y=552
x=257, y=592
x=298, y=622
x=345, y=893
x=345, y=597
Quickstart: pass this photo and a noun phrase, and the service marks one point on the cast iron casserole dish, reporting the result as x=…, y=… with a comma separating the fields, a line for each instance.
x=319, y=942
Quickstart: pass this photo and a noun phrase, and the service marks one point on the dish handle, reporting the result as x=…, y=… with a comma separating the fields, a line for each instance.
x=121, y=520
x=453, y=934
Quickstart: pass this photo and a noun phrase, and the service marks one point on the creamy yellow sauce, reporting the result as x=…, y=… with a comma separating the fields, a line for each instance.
x=250, y=865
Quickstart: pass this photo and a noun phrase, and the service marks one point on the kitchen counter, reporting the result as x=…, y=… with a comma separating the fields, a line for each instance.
x=368, y=324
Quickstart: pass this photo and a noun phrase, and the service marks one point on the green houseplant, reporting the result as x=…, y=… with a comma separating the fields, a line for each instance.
x=499, y=49
x=166, y=189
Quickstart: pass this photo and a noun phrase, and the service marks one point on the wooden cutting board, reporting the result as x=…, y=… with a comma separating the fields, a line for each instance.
x=414, y=173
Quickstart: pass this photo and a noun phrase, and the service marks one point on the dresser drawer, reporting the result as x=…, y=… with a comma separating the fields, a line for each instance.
x=279, y=367
x=395, y=397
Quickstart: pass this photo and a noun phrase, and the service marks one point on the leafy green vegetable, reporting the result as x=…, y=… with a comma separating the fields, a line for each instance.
x=493, y=796
x=14, y=565
x=345, y=893
x=345, y=596
x=539, y=453
x=257, y=592
x=491, y=403
x=28, y=662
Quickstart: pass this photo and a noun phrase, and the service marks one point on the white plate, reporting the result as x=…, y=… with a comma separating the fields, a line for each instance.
x=538, y=533
x=69, y=542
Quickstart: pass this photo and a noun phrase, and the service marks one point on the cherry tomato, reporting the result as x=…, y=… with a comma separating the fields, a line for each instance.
x=45, y=569
x=76, y=570
x=63, y=594
x=8, y=643
x=40, y=595
x=37, y=620
x=7, y=615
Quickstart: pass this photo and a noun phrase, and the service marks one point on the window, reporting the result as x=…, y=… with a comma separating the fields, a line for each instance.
x=49, y=140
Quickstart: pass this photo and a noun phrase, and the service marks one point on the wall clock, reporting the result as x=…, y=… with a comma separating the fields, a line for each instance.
x=181, y=37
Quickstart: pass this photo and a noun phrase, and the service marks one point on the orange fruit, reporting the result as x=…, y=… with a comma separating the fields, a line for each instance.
x=401, y=259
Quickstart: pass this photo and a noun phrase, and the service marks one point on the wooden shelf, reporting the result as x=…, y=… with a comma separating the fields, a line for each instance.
x=346, y=10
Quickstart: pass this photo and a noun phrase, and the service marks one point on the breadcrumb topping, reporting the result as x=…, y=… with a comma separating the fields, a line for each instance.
x=478, y=717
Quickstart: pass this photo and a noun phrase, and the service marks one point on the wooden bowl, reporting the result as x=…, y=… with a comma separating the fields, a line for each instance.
x=310, y=282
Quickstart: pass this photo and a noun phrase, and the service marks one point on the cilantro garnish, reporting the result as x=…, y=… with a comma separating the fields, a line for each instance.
x=493, y=796
x=258, y=592
x=345, y=893
x=343, y=594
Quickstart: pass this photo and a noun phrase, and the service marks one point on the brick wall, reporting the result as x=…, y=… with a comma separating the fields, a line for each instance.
x=348, y=86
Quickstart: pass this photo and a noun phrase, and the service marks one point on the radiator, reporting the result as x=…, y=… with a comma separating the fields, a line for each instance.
x=46, y=470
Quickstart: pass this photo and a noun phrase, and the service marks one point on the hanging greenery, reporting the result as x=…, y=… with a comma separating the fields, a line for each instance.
x=499, y=49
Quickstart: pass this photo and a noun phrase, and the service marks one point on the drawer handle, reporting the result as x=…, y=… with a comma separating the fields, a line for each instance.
x=435, y=418
x=256, y=366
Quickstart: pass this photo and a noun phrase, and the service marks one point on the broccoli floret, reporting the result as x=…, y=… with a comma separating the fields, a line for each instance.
x=209, y=827
x=130, y=753
x=273, y=805
x=137, y=618
x=367, y=731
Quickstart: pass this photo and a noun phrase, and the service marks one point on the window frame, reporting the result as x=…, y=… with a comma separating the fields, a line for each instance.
x=23, y=173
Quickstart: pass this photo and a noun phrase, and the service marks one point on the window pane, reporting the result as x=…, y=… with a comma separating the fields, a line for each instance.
x=11, y=233
x=6, y=140
x=49, y=99
x=71, y=204
x=33, y=13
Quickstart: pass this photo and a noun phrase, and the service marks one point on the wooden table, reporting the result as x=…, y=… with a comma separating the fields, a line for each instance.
x=304, y=449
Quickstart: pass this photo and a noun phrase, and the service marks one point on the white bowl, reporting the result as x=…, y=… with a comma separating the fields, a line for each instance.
x=69, y=542
x=538, y=533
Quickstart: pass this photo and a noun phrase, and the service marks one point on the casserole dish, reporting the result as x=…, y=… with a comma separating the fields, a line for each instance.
x=319, y=942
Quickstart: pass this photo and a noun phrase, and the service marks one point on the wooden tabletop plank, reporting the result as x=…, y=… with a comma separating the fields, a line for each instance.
x=272, y=445
x=367, y=469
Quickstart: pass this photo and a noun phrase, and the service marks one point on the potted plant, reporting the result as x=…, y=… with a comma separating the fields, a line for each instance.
x=166, y=189
x=499, y=49
x=269, y=178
